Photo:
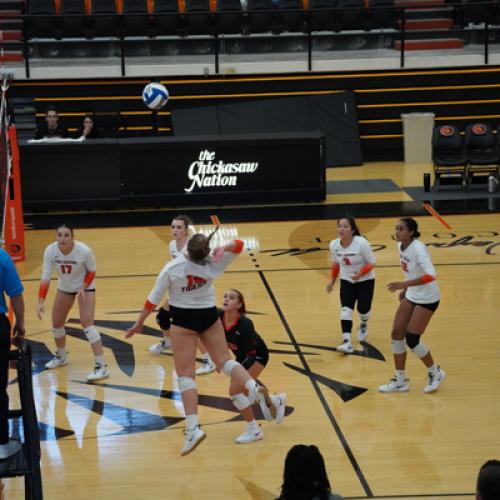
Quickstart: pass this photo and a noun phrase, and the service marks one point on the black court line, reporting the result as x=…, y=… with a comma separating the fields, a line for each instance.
x=387, y=266
x=317, y=389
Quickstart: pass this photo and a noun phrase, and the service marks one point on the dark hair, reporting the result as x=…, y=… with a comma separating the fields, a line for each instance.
x=66, y=227
x=89, y=115
x=51, y=108
x=411, y=225
x=352, y=223
x=304, y=476
x=243, y=308
x=488, y=480
x=185, y=218
x=198, y=247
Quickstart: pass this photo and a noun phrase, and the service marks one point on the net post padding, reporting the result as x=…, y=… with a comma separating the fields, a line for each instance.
x=13, y=222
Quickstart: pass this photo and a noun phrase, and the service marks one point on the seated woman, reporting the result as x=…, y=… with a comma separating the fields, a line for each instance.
x=252, y=353
x=89, y=130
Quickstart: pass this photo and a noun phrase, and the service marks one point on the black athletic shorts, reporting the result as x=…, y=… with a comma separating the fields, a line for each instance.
x=432, y=306
x=197, y=320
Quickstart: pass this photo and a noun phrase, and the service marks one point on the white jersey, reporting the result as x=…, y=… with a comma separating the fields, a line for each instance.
x=172, y=246
x=416, y=261
x=189, y=285
x=353, y=258
x=70, y=268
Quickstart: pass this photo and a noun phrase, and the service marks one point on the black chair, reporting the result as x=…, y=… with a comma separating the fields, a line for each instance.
x=291, y=21
x=45, y=23
x=382, y=14
x=167, y=19
x=103, y=20
x=73, y=22
x=108, y=116
x=481, y=151
x=351, y=16
x=319, y=17
x=229, y=19
x=448, y=154
x=261, y=22
x=198, y=17
x=478, y=11
x=135, y=19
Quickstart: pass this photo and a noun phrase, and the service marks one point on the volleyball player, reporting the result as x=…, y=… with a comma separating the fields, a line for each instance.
x=352, y=258
x=251, y=352
x=418, y=300
x=177, y=246
x=75, y=265
x=189, y=282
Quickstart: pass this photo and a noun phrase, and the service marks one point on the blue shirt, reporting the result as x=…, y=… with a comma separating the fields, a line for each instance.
x=9, y=280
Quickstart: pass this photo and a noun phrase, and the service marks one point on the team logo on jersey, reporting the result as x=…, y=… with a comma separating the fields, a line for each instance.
x=206, y=171
x=193, y=283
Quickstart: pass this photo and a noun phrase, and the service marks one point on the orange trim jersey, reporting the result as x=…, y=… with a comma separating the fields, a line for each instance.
x=71, y=268
x=416, y=262
x=190, y=285
x=353, y=259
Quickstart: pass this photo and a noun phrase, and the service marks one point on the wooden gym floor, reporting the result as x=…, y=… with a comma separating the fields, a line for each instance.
x=121, y=438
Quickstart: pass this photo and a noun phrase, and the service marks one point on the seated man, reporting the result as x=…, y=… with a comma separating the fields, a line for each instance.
x=51, y=127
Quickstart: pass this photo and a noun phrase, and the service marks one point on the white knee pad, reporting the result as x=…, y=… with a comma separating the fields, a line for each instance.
x=398, y=346
x=186, y=383
x=240, y=401
x=92, y=334
x=365, y=316
x=420, y=350
x=346, y=313
x=59, y=333
x=228, y=366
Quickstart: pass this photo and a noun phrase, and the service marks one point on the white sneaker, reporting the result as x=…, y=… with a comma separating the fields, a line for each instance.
x=434, y=381
x=346, y=347
x=362, y=332
x=279, y=402
x=266, y=405
x=56, y=362
x=100, y=372
x=249, y=435
x=206, y=366
x=8, y=449
x=395, y=386
x=161, y=347
x=193, y=439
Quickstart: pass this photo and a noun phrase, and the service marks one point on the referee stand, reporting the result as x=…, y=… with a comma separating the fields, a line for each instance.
x=26, y=462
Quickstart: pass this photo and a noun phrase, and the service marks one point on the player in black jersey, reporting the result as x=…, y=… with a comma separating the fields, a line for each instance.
x=252, y=353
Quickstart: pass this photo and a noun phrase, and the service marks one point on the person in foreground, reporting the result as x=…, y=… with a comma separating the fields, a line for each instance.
x=189, y=283
x=304, y=477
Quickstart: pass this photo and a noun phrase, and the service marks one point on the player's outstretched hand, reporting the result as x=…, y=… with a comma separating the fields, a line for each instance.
x=329, y=287
x=40, y=309
x=135, y=328
x=395, y=286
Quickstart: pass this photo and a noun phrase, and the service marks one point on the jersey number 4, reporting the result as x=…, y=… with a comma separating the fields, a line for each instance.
x=66, y=268
x=346, y=260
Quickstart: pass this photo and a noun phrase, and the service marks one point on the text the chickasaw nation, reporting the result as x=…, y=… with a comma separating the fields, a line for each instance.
x=206, y=172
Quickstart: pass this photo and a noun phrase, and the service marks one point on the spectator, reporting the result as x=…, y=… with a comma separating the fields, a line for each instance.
x=305, y=476
x=51, y=127
x=10, y=284
x=488, y=481
x=89, y=130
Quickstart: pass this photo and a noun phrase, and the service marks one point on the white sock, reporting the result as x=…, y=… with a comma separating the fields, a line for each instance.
x=347, y=336
x=400, y=376
x=252, y=424
x=192, y=422
x=433, y=369
x=62, y=352
x=206, y=356
x=99, y=360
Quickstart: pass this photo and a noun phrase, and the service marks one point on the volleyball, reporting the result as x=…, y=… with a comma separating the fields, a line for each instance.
x=155, y=96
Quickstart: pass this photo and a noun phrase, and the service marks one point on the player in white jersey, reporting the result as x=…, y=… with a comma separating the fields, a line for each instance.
x=177, y=246
x=74, y=263
x=189, y=283
x=418, y=300
x=352, y=257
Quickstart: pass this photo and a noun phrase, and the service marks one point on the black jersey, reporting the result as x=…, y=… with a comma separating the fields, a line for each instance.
x=246, y=344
